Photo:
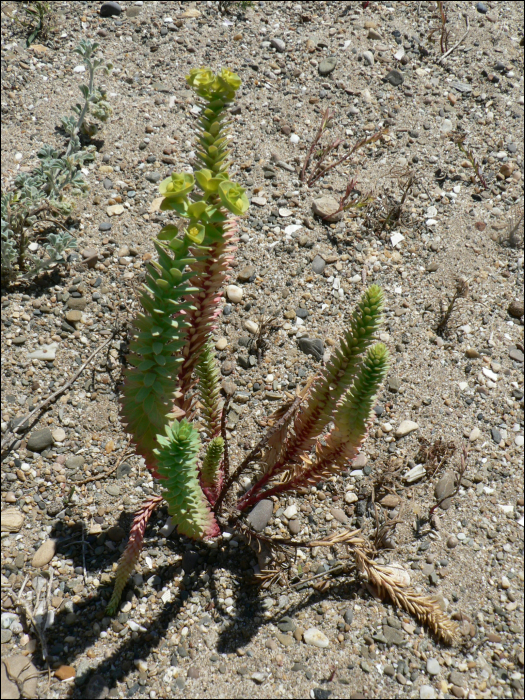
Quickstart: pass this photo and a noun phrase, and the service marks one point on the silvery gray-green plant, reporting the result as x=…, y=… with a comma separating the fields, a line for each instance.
x=50, y=186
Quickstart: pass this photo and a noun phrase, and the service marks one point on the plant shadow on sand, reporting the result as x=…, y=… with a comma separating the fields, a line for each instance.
x=236, y=629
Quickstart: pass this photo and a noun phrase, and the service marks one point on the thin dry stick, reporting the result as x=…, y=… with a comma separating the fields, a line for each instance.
x=83, y=556
x=226, y=454
x=107, y=473
x=337, y=568
x=63, y=388
x=318, y=173
x=29, y=616
x=440, y=60
x=324, y=120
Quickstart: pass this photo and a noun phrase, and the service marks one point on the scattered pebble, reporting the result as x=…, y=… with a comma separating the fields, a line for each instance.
x=316, y=638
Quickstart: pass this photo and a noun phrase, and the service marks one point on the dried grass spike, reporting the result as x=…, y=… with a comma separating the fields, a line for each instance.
x=424, y=608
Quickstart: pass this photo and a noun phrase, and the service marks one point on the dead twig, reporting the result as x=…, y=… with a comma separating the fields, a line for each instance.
x=512, y=238
x=447, y=53
x=434, y=455
x=104, y=475
x=460, y=292
x=459, y=140
x=327, y=115
x=267, y=327
x=255, y=453
x=443, y=41
x=61, y=390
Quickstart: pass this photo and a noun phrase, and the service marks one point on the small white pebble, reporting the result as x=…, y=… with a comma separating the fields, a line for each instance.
x=141, y=665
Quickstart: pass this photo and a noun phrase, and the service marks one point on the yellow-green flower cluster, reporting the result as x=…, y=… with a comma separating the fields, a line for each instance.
x=210, y=86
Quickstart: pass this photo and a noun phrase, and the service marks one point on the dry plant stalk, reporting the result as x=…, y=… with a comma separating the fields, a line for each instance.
x=406, y=179
x=460, y=292
x=443, y=41
x=267, y=327
x=459, y=140
x=424, y=608
x=319, y=170
x=387, y=582
x=362, y=201
x=514, y=234
x=434, y=455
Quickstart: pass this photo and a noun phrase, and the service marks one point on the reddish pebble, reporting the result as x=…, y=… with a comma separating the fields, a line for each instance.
x=65, y=672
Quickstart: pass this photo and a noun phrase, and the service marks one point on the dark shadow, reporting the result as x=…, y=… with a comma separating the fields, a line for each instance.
x=236, y=628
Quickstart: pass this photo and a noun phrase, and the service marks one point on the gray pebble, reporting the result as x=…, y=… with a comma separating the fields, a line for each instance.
x=261, y=514
x=327, y=65
x=39, y=440
x=394, y=78
x=318, y=265
x=97, y=687
x=445, y=487
x=294, y=526
x=113, y=489
x=496, y=435
x=278, y=44
x=110, y=9
x=312, y=346
x=433, y=667
x=393, y=384
x=75, y=462
x=153, y=177
x=286, y=624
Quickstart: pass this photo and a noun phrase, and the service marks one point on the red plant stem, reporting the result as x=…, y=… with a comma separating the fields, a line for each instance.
x=358, y=145
x=326, y=116
x=209, y=277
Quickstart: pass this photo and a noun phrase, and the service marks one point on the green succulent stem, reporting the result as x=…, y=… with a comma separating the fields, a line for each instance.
x=210, y=463
x=176, y=459
x=209, y=391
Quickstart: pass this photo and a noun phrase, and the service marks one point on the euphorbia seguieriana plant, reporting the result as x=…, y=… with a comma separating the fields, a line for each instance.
x=170, y=356
x=173, y=373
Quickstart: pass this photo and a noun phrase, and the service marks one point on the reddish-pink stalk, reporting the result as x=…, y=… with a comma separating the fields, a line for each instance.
x=210, y=275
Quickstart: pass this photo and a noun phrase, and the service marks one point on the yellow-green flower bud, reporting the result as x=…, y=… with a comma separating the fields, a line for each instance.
x=229, y=80
x=196, y=233
x=233, y=197
x=177, y=185
x=209, y=181
x=201, y=78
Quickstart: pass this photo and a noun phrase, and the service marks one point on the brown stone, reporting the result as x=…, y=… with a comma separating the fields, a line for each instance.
x=507, y=169
x=116, y=533
x=515, y=308
x=390, y=501
x=77, y=303
x=74, y=316
x=44, y=554
x=65, y=672
x=246, y=273
x=494, y=638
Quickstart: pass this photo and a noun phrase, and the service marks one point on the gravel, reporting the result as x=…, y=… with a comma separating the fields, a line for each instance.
x=191, y=618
